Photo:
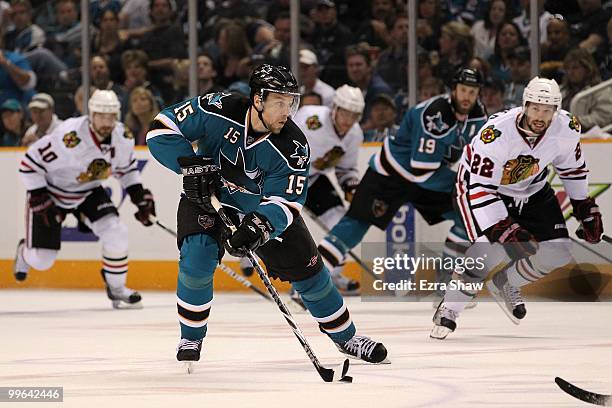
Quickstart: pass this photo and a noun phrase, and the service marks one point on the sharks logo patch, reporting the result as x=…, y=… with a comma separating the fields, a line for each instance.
x=236, y=177
x=435, y=124
x=301, y=154
x=216, y=99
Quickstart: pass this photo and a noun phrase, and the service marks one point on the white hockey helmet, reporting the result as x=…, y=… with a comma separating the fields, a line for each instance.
x=542, y=90
x=349, y=98
x=102, y=101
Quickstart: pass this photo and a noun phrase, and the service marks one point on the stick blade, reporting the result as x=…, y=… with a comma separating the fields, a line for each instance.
x=584, y=395
x=339, y=374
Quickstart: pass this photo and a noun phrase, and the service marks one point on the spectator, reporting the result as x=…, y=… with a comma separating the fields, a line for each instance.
x=431, y=18
x=523, y=23
x=392, y=62
x=108, y=43
x=143, y=109
x=98, y=7
x=206, y=75
x=45, y=120
x=135, y=65
x=330, y=40
x=233, y=53
x=607, y=58
x=374, y=30
x=383, y=113
x=493, y=96
x=134, y=15
x=520, y=73
x=277, y=50
x=65, y=40
x=17, y=80
x=309, y=78
x=456, y=50
x=508, y=39
x=359, y=69
x=581, y=73
x=25, y=36
x=430, y=87
x=485, y=30
x=100, y=78
x=590, y=30
x=311, y=98
x=481, y=65
x=555, y=48
x=12, y=124
x=166, y=39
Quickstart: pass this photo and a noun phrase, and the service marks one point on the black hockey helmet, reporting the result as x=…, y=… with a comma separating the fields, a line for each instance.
x=469, y=77
x=274, y=78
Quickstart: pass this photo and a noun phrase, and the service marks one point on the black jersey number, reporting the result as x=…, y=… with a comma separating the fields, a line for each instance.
x=47, y=154
x=483, y=166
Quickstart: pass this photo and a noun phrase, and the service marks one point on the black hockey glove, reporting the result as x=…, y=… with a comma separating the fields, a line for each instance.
x=587, y=212
x=253, y=232
x=517, y=241
x=200, y=180
x=143, y=199
x=43, y=207
x=349, y=188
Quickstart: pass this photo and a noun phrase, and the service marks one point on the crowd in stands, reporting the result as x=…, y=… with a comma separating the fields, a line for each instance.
x=139, y=50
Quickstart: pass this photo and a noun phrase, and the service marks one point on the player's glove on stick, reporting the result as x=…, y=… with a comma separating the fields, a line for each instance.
x=200, y=180
x=587, y=212
x=349, y=187
x=517, y=241
x=43, y=207
x=253, y=232
x=143, y=199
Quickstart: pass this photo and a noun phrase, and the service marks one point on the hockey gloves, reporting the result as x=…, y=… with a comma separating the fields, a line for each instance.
x=253, y=232
x=143, y=199
x=587, y=212
x=349, y=187
x=43, y=207
x=200, y=180
x=517, y=241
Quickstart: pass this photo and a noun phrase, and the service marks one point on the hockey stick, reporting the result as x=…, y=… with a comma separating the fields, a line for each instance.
x=223, y=267
x=316, y=220
x=327, y=374
x=584, y=395
x=575, y=241
x=607, y=238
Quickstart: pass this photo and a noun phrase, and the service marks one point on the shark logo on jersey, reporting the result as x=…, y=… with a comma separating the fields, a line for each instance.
x=435, y=124
x=237, y=178
x=489, y=134
x=301, y=154
x=519, y=169
x=216, y=99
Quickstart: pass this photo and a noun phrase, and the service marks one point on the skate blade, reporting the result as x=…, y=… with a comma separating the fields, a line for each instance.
x=440, y=332
x=472, y=304
x=121, y=305
x=501, y=303
x=352, y=357
x=189, y=367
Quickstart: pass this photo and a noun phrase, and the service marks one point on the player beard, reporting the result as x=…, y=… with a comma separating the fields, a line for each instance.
x=463, y=107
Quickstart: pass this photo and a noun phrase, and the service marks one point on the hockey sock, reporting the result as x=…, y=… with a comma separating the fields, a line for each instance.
x=194, y=292
x=326, y=305
x=115, y=269
x=344, y=236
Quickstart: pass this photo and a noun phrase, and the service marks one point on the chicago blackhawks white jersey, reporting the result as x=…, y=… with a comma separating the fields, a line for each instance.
x=502, y=161
x=70, y=162
x=328, y=150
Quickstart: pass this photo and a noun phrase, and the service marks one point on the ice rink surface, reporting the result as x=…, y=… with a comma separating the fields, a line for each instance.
x=126, y=358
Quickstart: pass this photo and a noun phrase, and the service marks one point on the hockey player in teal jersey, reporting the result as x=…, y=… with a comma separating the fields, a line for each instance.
x=414, y=166
x=255, y=159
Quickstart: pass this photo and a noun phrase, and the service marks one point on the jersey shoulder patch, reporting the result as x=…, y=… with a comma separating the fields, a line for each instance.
x=437, y=118
x=489, y=134
x=230, y=105
x=292, y=145
x=313, y=122
x=573, y=123
x=127, y=133
x=71, y=139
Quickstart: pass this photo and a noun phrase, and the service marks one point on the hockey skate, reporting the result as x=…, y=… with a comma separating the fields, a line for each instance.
x=346, y=286
x=188, y=351
x=20, y=267
x=444, y=322
x=508, y=297
x=123, y=297
x=364, y=348
x=437, y=298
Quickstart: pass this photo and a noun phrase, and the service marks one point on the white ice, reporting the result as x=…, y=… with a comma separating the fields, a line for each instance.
x=109, y=358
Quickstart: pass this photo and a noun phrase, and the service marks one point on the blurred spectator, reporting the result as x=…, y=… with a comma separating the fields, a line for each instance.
x=485, y=30
x=523, y=23
x=555, y=49
x=374, y=30
x=143, y=109
x=17, y=80
x=392, y=62
x=508, y=38
x=12, y=123
x=607, y=57
x=309, y=78
x=430, y=87
x=98, y=7
x=492, y=96
x=481, y=65
x=330, y=40
x=359, y=69
x=424, y=74
x=134, y=14
x=5, y=20
x=44, y=119
x=231, y=53
x=520, y=73
x=456, y=50
x=135, y=65
x=581, y=73
x=100, y=77
x=382, y=119
x=431, y=18
x=25, y=36
x=590, y=30
x=107, y=42
x=278, y=49
x=166, y=39
x=311, y=98
x=65, y=39
x=206, y=75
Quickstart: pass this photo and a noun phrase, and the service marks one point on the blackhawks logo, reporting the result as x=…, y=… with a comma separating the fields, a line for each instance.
x=71, y=140
x=313, y=122
x=99, y=169
x=519, y=169
x=489, y=134
x=128, y=133
x=574, y=124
